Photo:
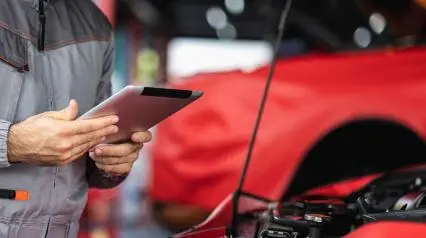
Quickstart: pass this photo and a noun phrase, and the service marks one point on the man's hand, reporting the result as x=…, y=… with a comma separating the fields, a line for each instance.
x=119, y=159
x=56, y=138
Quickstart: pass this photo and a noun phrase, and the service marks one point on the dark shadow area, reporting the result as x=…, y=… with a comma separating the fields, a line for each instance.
x=356, y=149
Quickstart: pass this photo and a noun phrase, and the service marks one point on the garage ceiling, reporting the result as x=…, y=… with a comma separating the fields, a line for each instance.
x=330, y=24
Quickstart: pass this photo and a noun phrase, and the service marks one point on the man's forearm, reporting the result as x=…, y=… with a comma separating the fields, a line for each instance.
x=4, y=131
x=99, y=179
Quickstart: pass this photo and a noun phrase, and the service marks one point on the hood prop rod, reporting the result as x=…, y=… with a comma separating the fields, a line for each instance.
x=239, y=191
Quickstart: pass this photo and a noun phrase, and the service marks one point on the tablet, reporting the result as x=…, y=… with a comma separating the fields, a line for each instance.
x=140, y=108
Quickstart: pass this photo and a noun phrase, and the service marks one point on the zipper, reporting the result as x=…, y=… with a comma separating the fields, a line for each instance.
x=42, y=21
x=46, y=77
x=41, y=48
x=48, y=227
x=53, y=202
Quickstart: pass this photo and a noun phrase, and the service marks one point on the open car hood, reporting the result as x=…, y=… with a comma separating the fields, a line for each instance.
x=288, y=159
x=311, y=98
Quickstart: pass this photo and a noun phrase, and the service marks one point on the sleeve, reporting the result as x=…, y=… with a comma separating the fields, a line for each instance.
x=4, y=131
x=96, y=177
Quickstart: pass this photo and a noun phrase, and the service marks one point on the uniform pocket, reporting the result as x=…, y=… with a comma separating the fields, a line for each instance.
x=4, y=229
x=13, y=50
x=73, y=229
x=24, y=231
x=13, y=64
x=57, y=231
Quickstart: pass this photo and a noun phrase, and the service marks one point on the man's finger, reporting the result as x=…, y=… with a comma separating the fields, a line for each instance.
x=71, y=159
x=89, y=125
x=121, y=150
x=115, y=160
x=78, y=152
x=141, y=137
x=116, y=169
x=81, y=139
x=67, y=114
x=82, y=149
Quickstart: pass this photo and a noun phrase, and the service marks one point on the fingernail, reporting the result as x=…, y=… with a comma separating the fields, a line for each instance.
x=103, y=139
x=91, y=155
x=135, y=138
x=98, y=151
x=115, y=119
x=114, y=129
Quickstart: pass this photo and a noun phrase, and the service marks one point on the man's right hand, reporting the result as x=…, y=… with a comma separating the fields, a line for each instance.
x=56, y=138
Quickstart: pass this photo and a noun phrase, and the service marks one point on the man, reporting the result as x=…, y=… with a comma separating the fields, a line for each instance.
x=51, y=52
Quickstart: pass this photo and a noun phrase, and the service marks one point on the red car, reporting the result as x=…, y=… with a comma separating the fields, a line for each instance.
x=352, y=117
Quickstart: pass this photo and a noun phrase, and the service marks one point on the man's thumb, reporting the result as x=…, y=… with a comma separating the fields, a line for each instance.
x=67, y=114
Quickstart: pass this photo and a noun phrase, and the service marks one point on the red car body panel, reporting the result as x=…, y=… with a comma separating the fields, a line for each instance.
x=215, y=226
x=200, y=151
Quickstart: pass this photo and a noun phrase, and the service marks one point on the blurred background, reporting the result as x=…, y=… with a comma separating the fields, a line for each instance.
x=177, y=42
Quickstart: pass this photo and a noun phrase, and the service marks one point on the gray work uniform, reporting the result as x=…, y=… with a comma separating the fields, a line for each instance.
x=74, y=60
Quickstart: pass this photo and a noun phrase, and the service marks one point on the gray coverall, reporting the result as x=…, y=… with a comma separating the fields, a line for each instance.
x=45, y=62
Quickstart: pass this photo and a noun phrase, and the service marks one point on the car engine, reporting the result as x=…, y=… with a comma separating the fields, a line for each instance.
x=393, y=197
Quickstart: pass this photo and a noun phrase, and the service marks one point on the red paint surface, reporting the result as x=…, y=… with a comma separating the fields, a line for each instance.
x=200, y=151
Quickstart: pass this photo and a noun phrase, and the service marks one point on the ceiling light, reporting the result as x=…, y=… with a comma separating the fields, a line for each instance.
x=377, y=23
x=362, y=37
x=235, y=6
x=228, y=32
x=216, y=18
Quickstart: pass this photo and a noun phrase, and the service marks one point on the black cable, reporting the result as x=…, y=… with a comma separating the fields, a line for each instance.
x=281, y=28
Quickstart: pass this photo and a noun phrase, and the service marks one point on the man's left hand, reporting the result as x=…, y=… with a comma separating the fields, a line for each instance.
x=118, y=159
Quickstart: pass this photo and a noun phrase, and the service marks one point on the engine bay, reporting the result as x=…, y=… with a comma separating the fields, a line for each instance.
x=392, y=197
